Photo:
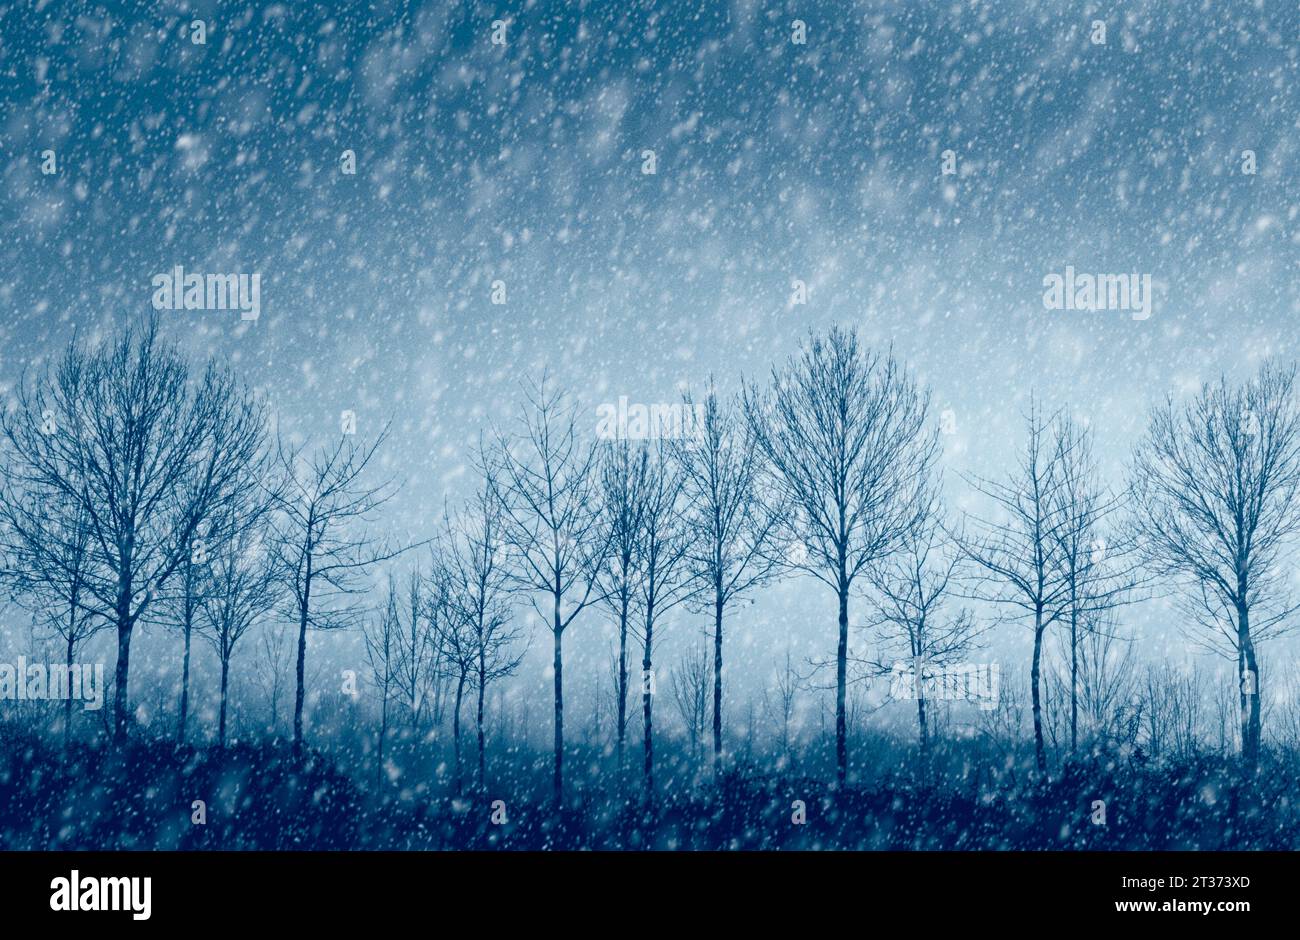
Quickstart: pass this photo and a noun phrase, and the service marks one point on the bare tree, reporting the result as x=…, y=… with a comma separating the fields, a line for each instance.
x=1169, y=710
x=178, y=607
x=480, y=595
x=458, y=642
x=270, y=668
x=910, y=594
x=240, y=584
x=733, y=527
x=122, y=433
x=552, y=525
x=844, y=433
x=664, y=580
x=623, y=472
x=1002, y=726
x=238, y=525
x=1217, y=490
x=1227, y=713
x=1097, y=565
x=49, y=579
x=381, y=644
x=1020, y=549
x=1285, y=730
x=321, y=542
x=779, y=700
x=416, y=647
x=1106, y=679
x=690, y=683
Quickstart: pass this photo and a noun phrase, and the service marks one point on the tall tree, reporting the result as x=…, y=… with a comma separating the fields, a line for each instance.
x=380, y=639
x=779, y=701
x=623, y=471
x=1097, y=561
x=124, y=434
x=664, y=579
x=1217, y=491
x=49, y=577
x=416, y=646
x=178, y=606
x=845, y=434
x=457, y=642
x=733, y=527
x=1020, y=549
x=241, y=585
x=552, y=524
x=322, y=542
x=910, y=597
x=480, y=594
x=270, y=668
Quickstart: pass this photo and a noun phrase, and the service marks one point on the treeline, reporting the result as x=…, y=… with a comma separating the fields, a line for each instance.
x=140, y=490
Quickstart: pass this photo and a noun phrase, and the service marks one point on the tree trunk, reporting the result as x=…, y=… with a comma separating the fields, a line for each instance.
x=1249, y=691
x=841, y=684
x=383, y=733
x=1074, y=679
x=717, y=676
x=482, y=762
x=121, y=703
x=185, y=683
x=187, y=624
x=304, y=609
x=221, y=724
x=67, y=705
x=647, y=710
x=455, y=726
x=1039, y=755
x=622, y=686
x=558, y=666
x=920, y=717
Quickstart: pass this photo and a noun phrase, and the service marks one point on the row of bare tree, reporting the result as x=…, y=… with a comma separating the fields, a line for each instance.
x=135, y=491
x=830, y=471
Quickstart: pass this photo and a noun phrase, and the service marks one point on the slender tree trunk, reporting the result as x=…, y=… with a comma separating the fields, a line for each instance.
x=67, y=705
x=1039, y=754
x=383, y=733
x=717, y=675
x=1074, y=678
x=455, y=726
x=437, y=705
x=482, y=760
x=622, y=686
x=920, y=717
x=185, y=682
x=187, y=625
x=558, y=666
x=221, y=725
x=121, y=703
x=647, y=706
x=300, y=694
x=841, y=684
x=1249, y=690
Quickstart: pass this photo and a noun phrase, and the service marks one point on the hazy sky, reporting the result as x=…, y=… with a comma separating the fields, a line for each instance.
x=774, y=161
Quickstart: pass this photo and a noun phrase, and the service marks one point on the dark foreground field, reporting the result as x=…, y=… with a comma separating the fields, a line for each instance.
x=260, y=797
